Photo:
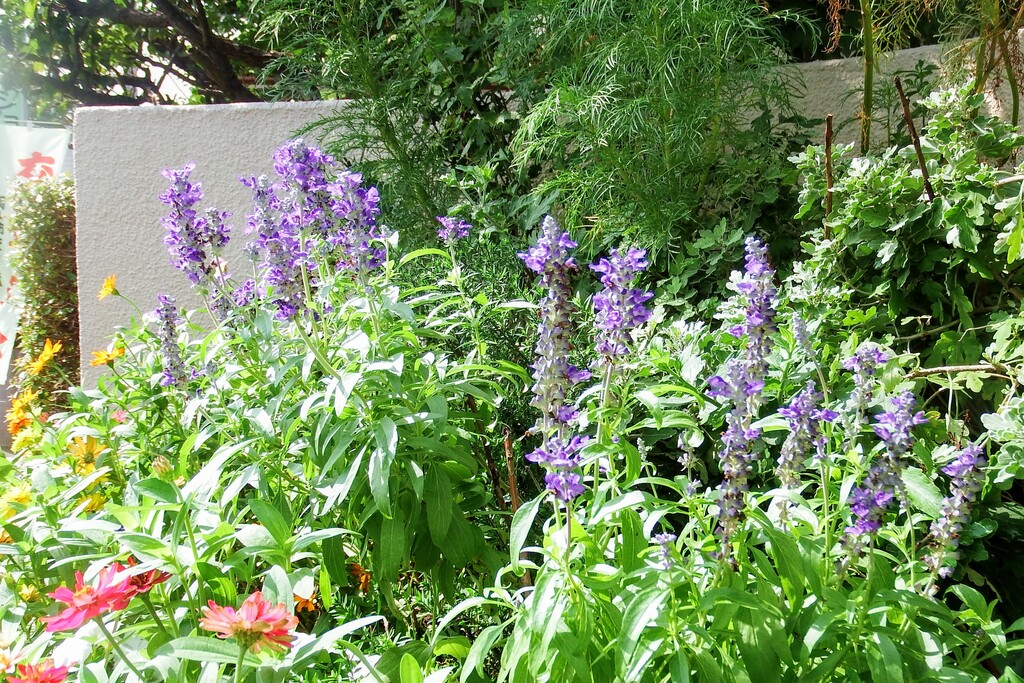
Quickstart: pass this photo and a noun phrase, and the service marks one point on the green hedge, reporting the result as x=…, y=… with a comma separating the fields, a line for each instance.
x=43, y=256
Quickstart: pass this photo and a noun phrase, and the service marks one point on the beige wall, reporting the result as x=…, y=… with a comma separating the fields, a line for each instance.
x=120, y=152
x=119, y=155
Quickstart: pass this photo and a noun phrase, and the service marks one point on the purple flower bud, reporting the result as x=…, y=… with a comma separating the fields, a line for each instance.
x=193, y=241
x=618, y=308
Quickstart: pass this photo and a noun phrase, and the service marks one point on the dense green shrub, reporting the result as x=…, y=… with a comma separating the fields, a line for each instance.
x=43, y=258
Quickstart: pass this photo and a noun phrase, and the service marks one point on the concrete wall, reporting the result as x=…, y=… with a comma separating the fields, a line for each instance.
x=119, y=155
x=833, y=87
x=120, y=152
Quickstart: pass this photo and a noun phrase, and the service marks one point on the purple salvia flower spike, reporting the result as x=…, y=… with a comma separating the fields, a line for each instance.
x=968, y=473
x=193, y=241
x=618, y=308
x=742, y=385
x=452, y=229
x=552, y=373
x=174, y=373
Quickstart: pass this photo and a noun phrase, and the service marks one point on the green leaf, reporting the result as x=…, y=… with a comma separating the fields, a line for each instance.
x=410, y=669
x=157, y=489
x=522, y=522
x=211, y=649
x=420, y=253
x=392, y=546
x=437, y=492
x=680, y=668
x=271, y=518
x=386, y=435
x=335, y=560
x=482, y=647
x=923, y=492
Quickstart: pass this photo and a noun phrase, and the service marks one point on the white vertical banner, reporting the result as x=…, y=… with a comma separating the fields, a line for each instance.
x=24, y=153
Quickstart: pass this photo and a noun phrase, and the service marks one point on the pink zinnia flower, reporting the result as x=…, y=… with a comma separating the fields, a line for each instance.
x=112, y=592
x=119, y=416
x=256, y=625
x=44, y=672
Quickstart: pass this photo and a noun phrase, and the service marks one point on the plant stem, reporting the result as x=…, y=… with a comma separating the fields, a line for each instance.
x=152, y=612
x=868, y=35
x=117, y=649
x=238, y=664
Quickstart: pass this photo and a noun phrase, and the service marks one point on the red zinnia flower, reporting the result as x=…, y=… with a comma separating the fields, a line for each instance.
x=44, y=672
x=256, y=625
x=111, y=593
x=144, y=582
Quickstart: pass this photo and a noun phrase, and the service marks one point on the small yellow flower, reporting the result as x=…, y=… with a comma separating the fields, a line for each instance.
x=109, y=287
x=85, y=453
x=49, y=351
x=24, y=399
x=20, y=494
x=94, y=502
x=28, y=593
x=103, y=357
x=25, y=439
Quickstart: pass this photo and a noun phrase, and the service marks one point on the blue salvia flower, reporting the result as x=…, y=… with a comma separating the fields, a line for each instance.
x=618, y=308
x=742, y=385
x=553, y=375
x=278, y=245
x=805, y=418
x=305, y=198
x=967, y=473
x=355, y=209
x=801, y=336
x=870, y=501
x=452, y=229
x=666, y=542
x=174, y=373
x=193, y=241
x=864, y=365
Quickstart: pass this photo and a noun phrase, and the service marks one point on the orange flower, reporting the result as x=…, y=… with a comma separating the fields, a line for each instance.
x=109, y=287
x=103, y=357
x=361, y=576
x=17, y=420
x=49, y=351
x=308, y=604
x=256, y=625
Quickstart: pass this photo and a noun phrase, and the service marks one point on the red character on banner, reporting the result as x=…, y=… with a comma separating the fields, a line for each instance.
x=28, y=166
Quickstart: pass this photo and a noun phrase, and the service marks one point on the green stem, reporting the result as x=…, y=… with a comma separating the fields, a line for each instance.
x=152, y=612
x=238, y=664
x=117, y=649
x=868, y=34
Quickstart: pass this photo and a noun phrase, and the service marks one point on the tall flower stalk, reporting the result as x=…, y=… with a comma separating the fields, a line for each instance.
x=193, y=241
x=870, y=501
x=742, y=385
x=805, y=439
x=174, y=373
x=553, y=375
x=967, y=472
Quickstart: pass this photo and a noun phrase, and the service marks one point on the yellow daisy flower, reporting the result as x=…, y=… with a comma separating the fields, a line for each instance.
x=49, y=351
x=109, y=287
x=85, y=452
x=103, y=357
x=94, y=502
x=28, y=593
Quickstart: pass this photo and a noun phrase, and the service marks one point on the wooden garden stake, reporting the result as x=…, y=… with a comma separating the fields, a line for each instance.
x=914, y=138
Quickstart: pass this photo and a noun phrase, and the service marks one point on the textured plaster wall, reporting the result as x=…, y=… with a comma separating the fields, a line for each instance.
x=119, y=155
x=833, y=87
x=120, y=152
